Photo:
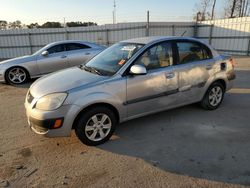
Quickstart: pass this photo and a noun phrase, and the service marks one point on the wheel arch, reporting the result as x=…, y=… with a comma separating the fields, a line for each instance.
x=16, y=66
x=102, y=104
x=221, y=81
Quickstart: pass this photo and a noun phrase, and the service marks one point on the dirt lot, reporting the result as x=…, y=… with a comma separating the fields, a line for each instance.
x=184, y=147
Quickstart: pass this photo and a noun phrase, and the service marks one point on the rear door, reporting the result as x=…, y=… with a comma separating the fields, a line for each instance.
x=79, y=53
x=194, y=65
x=157, y=89
x=55, y=60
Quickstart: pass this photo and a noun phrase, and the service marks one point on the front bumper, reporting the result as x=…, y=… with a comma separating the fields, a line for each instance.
x=43, y=126
x=42, y=122
x=2, y=79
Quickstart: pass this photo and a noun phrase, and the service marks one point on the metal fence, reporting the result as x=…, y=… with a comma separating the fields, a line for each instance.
x=227, y=35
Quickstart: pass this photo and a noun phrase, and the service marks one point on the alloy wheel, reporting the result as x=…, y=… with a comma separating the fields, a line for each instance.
x=17, y=75
x=98, y=127
x=215, y=96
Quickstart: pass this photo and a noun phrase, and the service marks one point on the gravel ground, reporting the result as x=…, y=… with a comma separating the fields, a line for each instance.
x=184, y=147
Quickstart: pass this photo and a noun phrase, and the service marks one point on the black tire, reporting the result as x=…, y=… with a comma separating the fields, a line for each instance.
x=206, y=102
x=24, y=79
x=86, y=118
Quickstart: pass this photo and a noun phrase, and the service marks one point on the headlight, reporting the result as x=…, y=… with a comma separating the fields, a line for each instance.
x=51, y=101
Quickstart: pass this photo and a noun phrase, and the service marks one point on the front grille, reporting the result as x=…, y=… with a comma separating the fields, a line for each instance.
x=29, y=97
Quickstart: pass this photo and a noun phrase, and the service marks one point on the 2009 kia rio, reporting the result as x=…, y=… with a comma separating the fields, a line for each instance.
x=130, y=79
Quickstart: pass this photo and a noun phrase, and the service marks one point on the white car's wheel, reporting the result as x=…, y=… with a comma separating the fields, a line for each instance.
x=16, y=75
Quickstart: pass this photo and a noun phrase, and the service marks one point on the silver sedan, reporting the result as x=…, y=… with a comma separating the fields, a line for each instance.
x=128, y=80
x=52, y=57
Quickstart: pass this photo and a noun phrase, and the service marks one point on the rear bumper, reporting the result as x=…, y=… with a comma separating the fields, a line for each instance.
x=230, y=79
x=2, y=79
x=229, y=85
x=231, y=75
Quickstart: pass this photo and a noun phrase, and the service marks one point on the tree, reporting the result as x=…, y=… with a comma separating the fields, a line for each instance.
x=213, y=8
x=80, y=24
x=3, y=24
x=33, y=25
x=52, y=25
x=244, y=8
x=202, y=8
x=233, y=8
x=15, y=25
x=237, y=8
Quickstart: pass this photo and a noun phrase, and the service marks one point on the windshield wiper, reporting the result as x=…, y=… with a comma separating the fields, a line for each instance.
x=90, y=69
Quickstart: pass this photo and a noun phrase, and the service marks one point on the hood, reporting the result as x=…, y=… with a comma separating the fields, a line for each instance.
x=62, y=81
x=18, y=60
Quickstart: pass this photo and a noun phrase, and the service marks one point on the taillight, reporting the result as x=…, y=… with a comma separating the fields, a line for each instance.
x=232, y=61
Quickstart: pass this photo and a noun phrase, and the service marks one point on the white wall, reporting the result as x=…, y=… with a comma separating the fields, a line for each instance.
x=231, y=35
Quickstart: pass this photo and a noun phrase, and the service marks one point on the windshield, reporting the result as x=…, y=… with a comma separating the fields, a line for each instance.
x=112, y=59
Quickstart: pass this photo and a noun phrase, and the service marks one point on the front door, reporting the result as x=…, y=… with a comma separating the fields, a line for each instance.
x=56, y=60
x=157, y=89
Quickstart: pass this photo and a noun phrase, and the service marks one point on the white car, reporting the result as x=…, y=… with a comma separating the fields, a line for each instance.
x=52, y=57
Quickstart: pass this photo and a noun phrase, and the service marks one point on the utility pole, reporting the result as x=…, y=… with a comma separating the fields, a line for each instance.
x=147, y=26
x=114, y=13
x=64, y=23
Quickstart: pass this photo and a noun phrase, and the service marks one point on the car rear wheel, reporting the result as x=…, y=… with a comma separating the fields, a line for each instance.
x=17, y=75
x=96, y=126
x=213, y=97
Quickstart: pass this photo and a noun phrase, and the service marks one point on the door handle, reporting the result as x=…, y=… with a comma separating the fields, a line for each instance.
x=170, y=75
x=87, y=53
x=63, y=56
x=209, y=67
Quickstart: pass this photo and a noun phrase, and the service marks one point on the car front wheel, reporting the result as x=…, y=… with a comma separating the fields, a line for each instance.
x=96, y=126
x=17, y=75
x=213, y=97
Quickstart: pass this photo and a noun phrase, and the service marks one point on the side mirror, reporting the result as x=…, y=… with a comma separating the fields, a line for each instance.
x=45, y=53
x=138, y=70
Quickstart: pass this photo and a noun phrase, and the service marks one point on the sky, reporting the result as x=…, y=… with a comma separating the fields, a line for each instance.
x=99, y=11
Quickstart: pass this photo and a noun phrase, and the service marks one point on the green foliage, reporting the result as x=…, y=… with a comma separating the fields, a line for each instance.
x=33, y=25
x=51, y=25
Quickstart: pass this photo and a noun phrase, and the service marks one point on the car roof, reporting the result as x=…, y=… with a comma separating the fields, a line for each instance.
x=155, y=39
x=147, y=40
x=75, y=41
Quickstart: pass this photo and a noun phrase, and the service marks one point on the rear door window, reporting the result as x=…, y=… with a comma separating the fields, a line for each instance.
x=191, y=52
x=76, y=46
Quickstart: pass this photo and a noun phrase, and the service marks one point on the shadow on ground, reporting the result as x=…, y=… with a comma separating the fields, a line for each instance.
x=213, y=145
x=191, y=141
x=26, y=85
